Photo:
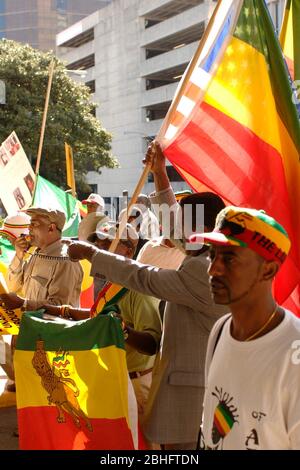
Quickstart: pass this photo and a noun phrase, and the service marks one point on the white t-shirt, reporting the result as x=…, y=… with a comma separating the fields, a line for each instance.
x=252, y=398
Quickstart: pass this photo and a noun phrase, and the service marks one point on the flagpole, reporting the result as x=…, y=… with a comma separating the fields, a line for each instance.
x=39, y=154
x=136, y=192
x=187, y=75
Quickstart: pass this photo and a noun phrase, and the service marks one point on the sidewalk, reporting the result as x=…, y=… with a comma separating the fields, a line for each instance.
x=8, y=417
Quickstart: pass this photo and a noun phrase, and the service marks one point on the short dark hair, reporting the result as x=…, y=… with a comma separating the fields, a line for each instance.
x=213, y=204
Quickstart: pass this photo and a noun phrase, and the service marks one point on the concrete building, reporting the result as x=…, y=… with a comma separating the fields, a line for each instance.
x=134, y=53
x=37, y=22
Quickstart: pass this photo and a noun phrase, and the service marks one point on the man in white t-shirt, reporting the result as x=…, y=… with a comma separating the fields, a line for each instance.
x=253, y=362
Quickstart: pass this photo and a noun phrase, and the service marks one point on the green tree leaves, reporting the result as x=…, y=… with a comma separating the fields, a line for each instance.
x=25, y=73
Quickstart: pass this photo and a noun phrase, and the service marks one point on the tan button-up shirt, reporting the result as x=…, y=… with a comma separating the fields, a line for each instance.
x=48, y=277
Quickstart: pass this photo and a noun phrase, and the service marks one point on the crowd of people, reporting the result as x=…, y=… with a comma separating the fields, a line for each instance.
x=208, y=349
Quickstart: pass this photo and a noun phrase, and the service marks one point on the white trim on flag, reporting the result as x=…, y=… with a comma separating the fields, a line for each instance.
x=185, y=106
x=223, y=12
x=200, y=78
x=171, y=131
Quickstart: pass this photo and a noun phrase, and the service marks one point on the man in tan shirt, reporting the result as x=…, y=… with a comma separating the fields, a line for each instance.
x=48, y=276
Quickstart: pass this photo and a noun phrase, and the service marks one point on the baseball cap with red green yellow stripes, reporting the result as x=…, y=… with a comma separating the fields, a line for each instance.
x=250, y=228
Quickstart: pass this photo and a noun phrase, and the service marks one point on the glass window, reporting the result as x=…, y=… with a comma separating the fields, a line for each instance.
x=61, y=5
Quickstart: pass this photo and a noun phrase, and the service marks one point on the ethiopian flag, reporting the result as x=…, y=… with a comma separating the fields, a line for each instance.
x=49, y=195
x=233, y=128
x=72, y=390
x=290, y=37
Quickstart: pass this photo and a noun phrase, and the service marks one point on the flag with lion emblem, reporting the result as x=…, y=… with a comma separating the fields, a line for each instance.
x=72, y=384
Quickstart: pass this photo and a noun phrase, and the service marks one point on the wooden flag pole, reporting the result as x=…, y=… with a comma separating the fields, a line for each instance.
x=186, y=76
x=39, y=154
x=123, y=222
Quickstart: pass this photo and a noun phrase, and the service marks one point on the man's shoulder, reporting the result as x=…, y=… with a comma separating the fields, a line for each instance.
x=56, y=249
x=198, y=264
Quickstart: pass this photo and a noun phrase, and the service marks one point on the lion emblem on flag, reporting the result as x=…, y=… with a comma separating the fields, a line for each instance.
x=62, y=391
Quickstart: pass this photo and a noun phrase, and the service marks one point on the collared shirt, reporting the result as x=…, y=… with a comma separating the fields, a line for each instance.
x=48, y=277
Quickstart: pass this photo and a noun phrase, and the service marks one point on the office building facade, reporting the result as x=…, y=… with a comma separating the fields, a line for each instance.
x=36, y=22
x=134, y=53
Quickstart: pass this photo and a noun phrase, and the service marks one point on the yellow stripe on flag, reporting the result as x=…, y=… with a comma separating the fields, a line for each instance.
x=113, y=290
x=246, y=98
x=88, y=369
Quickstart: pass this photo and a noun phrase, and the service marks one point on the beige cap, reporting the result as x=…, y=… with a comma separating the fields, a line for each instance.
x=95, y=199
x=53, y=215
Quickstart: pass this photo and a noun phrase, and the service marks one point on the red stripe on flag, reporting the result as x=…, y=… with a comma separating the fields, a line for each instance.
x=39, y=430
x=87, y=297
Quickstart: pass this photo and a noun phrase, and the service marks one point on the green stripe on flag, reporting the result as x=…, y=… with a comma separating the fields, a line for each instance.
x=47, y=194
x=95, y=333
x=7, y=251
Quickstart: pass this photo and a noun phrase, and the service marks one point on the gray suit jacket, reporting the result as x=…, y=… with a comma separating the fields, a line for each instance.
x=175, y=402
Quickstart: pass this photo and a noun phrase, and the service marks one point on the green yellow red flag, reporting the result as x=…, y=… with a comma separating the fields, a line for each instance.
x=234, y=129
x=72, y=384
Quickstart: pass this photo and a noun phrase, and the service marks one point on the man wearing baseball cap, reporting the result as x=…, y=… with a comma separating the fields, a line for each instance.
x=95, y=213
x=252, y=382
x=94, y=203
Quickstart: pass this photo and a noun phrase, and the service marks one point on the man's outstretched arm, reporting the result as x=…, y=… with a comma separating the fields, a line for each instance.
x=185, y=286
